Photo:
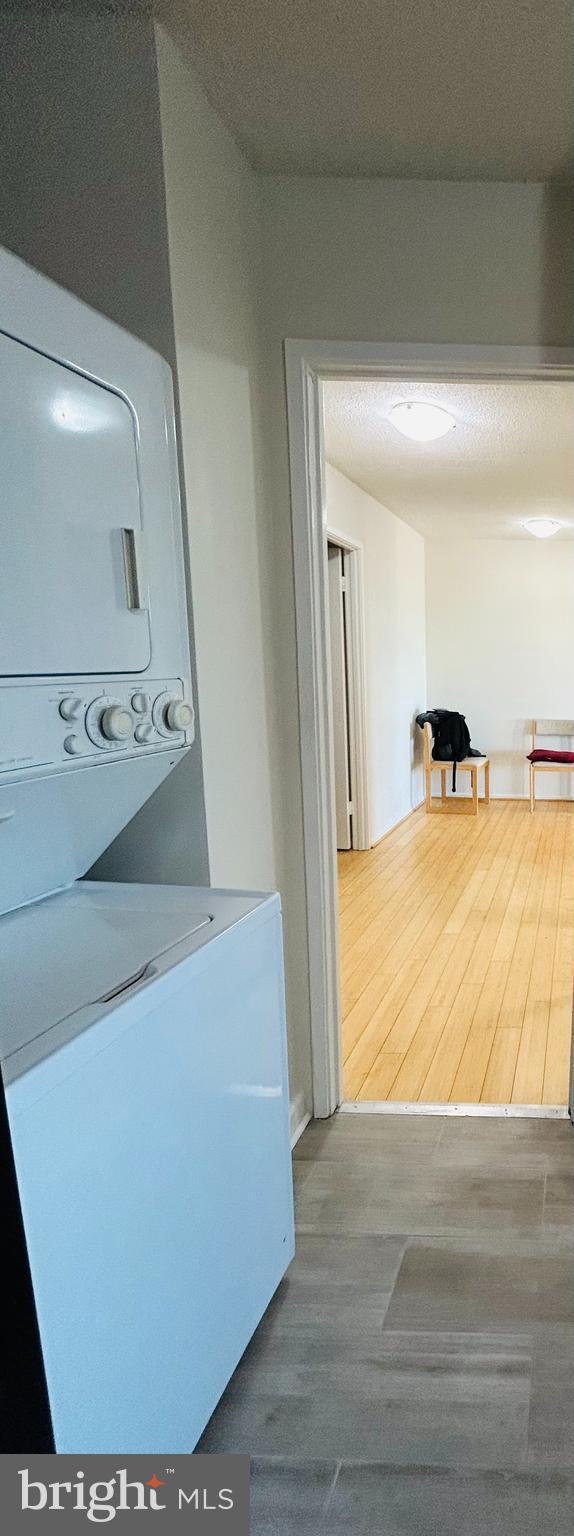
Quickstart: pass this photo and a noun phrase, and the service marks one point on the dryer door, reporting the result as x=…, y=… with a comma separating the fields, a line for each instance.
x=72, y=591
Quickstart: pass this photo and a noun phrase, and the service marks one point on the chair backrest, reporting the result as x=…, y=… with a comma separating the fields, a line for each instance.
x=551, y=728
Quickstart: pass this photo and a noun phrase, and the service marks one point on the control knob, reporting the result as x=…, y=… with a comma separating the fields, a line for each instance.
x=69, y=708
x=73, y=745
x=116, y=723
x=143, y=733
x=178, y=715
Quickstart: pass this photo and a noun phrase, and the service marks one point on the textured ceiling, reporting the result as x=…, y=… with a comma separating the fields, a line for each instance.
x=453, y=89
x=510, y=456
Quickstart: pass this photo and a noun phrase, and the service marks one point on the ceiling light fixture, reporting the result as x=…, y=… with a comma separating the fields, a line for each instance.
x=542, y=527
x=420, y=420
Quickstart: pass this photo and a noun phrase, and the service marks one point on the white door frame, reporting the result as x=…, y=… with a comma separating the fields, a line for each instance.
x=306, y=364
x=357, y=678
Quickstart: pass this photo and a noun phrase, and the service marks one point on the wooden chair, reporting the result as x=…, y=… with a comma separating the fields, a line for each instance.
x=471, y=765
x=548, y=728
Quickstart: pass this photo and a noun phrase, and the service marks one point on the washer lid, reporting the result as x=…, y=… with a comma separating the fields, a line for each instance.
x=77, y=948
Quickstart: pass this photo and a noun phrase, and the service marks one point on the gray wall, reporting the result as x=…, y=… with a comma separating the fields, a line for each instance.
x=82, y=198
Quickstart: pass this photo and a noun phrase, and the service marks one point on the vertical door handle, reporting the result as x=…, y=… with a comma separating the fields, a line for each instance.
x=132, y=545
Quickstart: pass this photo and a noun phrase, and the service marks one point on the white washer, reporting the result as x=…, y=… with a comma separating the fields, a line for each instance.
x=150, y=1133
x=142, y=1028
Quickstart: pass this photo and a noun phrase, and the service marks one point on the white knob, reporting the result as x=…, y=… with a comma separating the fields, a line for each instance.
x=178, y=715
x=141, y=702
x=116, y=723
x=69, y=708
x=72, y=744
x=143, y=733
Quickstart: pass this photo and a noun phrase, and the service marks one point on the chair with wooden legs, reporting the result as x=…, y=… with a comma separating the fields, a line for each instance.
x=471, y=765
x=550, y=761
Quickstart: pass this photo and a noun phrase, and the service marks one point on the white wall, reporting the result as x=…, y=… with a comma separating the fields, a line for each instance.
x=500, y=643
x=386, y=260
x=213, y=245
x=394, y=613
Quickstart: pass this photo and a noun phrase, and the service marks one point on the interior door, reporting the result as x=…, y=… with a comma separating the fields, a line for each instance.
x=340, y=712
x=72, y=598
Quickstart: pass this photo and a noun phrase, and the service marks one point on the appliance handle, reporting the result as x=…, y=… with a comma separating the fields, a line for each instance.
x=136, y=589
x=145, y=973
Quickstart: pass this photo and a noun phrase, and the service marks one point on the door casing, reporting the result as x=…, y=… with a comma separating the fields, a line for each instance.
x=306, y=364
x=357, y=679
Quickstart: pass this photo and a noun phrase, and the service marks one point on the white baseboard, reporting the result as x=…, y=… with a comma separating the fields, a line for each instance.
x=300, y=1117
x=496, y=795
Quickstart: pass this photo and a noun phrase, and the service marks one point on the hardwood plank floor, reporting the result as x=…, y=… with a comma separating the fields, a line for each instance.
x=457, y=958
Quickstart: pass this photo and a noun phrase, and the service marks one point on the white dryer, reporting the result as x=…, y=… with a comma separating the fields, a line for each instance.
x=95, y=693
x=142, y=1028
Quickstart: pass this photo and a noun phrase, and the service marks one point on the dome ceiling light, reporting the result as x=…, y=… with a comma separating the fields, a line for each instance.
x=420, y=420
x=542, y=527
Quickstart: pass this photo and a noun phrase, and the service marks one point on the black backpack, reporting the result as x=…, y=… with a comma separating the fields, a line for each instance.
x=451, y=741
x=451, y=737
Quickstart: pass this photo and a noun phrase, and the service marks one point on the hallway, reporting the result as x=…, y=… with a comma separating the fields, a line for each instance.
x=414, y=1372
x=457, y=958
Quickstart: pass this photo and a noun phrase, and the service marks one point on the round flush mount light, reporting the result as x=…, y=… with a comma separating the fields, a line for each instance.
x=542, y=527
x=420, y=420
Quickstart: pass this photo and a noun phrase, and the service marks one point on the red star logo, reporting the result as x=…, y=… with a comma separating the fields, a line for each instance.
x=155, y=1482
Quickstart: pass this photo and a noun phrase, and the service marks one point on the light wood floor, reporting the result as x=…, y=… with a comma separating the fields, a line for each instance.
x=457, y=958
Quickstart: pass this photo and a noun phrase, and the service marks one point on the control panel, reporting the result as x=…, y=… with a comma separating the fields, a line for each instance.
x=92, y=721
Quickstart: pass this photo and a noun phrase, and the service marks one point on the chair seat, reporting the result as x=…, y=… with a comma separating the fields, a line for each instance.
x=466, y=762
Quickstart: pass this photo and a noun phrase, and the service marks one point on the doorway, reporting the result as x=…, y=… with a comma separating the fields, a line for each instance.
x=306, y=368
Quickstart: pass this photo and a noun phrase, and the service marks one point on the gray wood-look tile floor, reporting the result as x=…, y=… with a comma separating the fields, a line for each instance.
x=415, y=1371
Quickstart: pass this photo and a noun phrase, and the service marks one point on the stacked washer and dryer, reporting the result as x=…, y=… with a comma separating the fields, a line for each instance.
x=142, y=1028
